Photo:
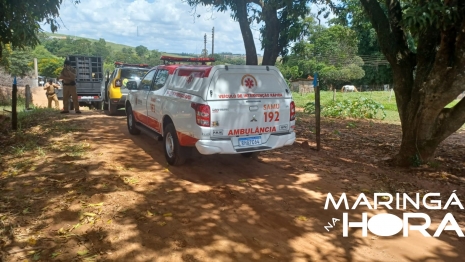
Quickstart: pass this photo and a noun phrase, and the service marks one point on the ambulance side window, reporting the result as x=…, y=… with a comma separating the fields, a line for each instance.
x=160, y=79
x=146, y=82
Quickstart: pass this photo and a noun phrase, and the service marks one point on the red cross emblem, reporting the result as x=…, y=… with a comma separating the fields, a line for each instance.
x=190, y=79
x=249, y=83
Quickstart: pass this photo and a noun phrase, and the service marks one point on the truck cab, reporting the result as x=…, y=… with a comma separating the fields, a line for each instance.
x=212, y=109
x=115, y=91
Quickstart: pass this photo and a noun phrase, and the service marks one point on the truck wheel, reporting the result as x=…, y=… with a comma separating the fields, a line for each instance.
x=131, y=120
x=105, y=104
x=174, y=153
x=112, y=109
x=251, y=154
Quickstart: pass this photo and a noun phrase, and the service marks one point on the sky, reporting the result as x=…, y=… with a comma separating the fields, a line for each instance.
x=165, y=25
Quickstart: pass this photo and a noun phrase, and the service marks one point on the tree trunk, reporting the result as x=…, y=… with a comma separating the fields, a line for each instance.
x=249, y=43
x=425, y=82
x=271, y=35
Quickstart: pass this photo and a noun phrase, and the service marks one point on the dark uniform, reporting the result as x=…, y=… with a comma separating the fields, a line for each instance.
x=68, y=74
x=51, y=96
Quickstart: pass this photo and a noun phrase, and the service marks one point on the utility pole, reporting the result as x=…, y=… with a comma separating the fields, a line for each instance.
x=213, y=40
x=205, y=45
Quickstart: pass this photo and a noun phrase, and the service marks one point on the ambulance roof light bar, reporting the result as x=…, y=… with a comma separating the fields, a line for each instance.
x=173, y=59
x=121, y=64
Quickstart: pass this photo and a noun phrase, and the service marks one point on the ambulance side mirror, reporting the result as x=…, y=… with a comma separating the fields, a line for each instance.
x=131, y=85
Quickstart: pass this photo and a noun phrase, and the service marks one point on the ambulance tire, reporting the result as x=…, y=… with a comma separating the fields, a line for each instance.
x=175, y=154
x=251, y=154
x=131, y=120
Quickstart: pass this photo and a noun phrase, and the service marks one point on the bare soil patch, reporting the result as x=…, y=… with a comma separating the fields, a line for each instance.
x=89, y=191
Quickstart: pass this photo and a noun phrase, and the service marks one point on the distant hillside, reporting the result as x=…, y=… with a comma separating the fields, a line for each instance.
x=114, y=46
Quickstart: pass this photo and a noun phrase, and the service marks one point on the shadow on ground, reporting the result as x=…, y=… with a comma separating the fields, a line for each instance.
x=98, y=193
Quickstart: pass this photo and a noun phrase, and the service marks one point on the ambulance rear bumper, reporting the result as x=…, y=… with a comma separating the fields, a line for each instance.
x=210, y=147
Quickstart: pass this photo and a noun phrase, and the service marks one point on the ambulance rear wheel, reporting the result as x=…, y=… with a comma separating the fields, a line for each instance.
x=175, y=154
x=131, y=120
x=251, y=154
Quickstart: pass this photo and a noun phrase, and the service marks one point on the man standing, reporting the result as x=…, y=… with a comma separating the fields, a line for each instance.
x=68, y=74
x=50, y=87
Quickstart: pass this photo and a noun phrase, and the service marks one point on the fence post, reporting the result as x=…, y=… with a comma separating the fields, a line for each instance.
x=28, y=96
x=334, y=94
x=390, y=95
x=317, y=111
x=14, y=116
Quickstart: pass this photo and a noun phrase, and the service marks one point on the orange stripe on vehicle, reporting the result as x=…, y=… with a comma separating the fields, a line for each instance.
x=185, y=140
x=154, y=124
x=140, y=117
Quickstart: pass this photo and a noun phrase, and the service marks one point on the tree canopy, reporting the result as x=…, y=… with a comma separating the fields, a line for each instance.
x=332, y=52
x=19, y=21
x=281, y=24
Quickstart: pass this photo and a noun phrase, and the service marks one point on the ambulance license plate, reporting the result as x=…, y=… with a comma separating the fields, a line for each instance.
x=250, y=141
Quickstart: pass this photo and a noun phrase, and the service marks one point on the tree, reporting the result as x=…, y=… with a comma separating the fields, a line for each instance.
x=281, y=24
x=100, y=48
x=50, y=67
x=17, y=62
x=154, y=58
x=332, y=52
x=377, y=70
x=424, y=44
x=19, y=21
x=141, y=50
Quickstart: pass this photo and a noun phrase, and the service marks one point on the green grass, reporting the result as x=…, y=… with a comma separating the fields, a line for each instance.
x=381, y=97
x=7, y=109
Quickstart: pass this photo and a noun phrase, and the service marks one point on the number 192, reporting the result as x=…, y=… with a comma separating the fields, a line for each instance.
x=271, y=116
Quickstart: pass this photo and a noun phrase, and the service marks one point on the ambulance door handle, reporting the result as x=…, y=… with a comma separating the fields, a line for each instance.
x=253, y=101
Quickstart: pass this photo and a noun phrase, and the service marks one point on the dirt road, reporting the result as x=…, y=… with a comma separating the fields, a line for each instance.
x=116, y=199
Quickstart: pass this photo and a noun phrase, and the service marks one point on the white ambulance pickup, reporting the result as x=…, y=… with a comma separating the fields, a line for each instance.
x=215, y=109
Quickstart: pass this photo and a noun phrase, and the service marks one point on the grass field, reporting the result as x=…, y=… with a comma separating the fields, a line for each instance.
x=382, y=97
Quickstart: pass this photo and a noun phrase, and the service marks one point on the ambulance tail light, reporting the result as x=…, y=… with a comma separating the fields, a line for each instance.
x=292, y=111
x=202, y=114
x=118, y=83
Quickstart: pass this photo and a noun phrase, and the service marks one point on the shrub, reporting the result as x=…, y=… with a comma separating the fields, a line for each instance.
x=364, y=108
